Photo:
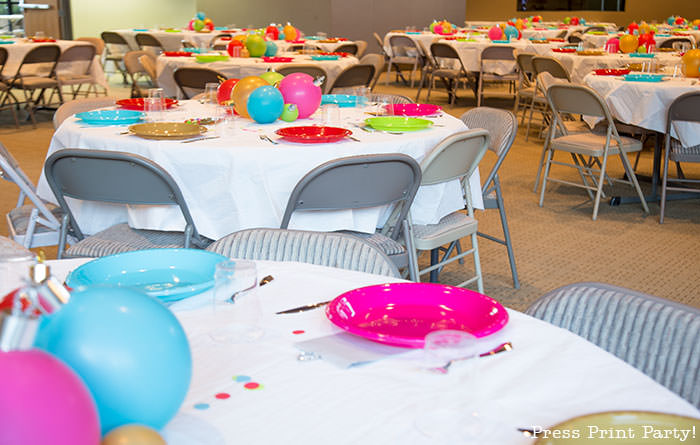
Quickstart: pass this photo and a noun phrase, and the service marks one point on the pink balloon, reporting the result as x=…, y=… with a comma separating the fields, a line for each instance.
x=437, y=29
x=42, y=401
x=299, y=89
x=190, y=26
x=495, y=33
x=613, y=45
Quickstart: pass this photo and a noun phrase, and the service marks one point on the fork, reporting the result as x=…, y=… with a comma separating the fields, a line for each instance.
x=264, y=137
x=507, y=346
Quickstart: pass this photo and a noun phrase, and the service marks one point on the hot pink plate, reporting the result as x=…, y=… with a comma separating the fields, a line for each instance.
x=414, y=109
x=402, y=314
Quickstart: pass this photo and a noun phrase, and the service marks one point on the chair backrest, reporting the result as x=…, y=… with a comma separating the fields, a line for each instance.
x=193, y=80
x=577, y=99
x=443, y=51
x=354, y=76
x=321, y=248
x=524, y=61
x=312, y=70
x=97, y=42
x=562, y=34
x=502, y=126
x=114, y=177
x=389, y=98
x=113, y=38
x=78, y=53
x=380, y=42
x=657, y=336
x=132, y=63
x=551, y=65
x=350, y=48
x=150, y=67
x=402, y=45
x=361, y=48
x=3, y=58
x=575, y=37
x=685, y=107
x=45, y=55
x=357, y=182
x=680, y=43
x=498, y=52
x=595, y=29
x=78, y=106
x=374, y=59
x=147, y=40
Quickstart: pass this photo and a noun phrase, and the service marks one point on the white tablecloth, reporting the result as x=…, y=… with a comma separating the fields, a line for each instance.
x=580, y=66
x=172, y=41
x=645, y=104
x=470, y=53
x=239, y=67
x=16, y=52
x=549, y=376
x=240, y=182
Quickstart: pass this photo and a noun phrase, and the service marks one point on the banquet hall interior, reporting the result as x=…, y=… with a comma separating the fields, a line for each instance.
x=619, y=273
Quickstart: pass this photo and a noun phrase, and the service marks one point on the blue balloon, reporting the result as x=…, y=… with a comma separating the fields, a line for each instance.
x=581, y=21
x=671, y=20
x=128, y=348
x=200, y=15
x=265, y=104
x=280, y=36
x=271, y=49
x=511, y=32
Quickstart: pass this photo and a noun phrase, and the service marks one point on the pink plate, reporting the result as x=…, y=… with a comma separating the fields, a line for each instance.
x=402, y=314
x=414, y=109
x=277, y=59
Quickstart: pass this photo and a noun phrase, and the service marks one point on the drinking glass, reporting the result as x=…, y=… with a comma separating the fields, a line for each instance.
x=235, y=303
x=154, y=105
x=227, y=121
x=330, y=114
x=362, y=95
x=210, y=93
x=39, y=34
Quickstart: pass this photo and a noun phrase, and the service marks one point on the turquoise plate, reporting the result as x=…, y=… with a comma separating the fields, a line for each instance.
x=642, y=55
x=342, y=100
x=141, y=29
x=643, y=77
x=500, y=41
x=110, y=117
x=317, y=58
x=6, y=42
x=166, y=274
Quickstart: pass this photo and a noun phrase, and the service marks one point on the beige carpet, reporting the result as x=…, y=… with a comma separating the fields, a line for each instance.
x=554, y=245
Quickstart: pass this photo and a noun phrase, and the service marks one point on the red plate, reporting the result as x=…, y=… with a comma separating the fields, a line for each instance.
x=556, y=40
x=313, y=134
x=177, y=54
x=137, y=103
x=564, y=50
x=277, y=59
x=611, y=72
x=225, y=38
x=327, y=53
x=42, y=40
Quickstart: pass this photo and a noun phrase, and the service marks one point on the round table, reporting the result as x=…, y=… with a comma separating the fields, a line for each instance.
x=470, y=53
x=240, y=181
x=171, y=39
x=579, y=66
x=549, y=376
x=239, y=67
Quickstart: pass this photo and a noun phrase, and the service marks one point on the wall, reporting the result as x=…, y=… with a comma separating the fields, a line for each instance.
x=90, y=17
x=635, y=10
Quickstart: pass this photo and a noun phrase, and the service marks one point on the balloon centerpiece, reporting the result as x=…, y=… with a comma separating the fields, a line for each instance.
x=691, y=63
x=629, y=43
x=301, y=89
x=201, y=23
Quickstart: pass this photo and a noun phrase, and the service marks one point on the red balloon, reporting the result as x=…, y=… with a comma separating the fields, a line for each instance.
x=574, y=21
x=233, y=44
x=273, y=32
x=223, y=93
x=632, y=27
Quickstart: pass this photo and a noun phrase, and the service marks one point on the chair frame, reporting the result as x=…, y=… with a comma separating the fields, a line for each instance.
x=359, y=75
x=146, y=41
x=418, y=60
x=114, y=177
x=683, y=108
x=439, y=51
x=5, y=90
x=491, y=53
x=79, y=53
x=114, y=38
x=204, y=76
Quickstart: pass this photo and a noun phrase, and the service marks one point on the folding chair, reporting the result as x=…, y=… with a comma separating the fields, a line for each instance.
x=350, y=48
x=115, y=48
x=444, y=53
x=193, y=80
x=541, y=64
x=455, y=157
x=36, y=223
x=149, y=66
x=353, y=76
x=72, y=107
x=361, y=48
x=121, y=178
x=577, y=99
x=147, y=42
x=405, y=51
x=7, y=99
x=73, y=69
x=378, y=61
x=490, y=54
x=685, y=108
x=136, y=70
x=677, y=43
x=357, y=182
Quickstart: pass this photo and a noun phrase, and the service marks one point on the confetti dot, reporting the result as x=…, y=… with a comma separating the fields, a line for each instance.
x=298, y=331
x=252, y=385
x=222, y=396
x=201, y=406
x=241, y=378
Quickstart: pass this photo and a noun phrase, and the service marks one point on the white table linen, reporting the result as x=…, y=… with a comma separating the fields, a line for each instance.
x=580, y=66
x=239, y=182
x=239, y=67
x=549, y=376
x=172, y=41
x=645, y=104
x=470, y=53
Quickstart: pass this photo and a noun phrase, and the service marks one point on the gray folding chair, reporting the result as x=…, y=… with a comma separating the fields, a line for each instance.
x=657, y=336
x=72, y=107
x=136, y=70
x=148, y=42
x=502, y=126
x=455, y=157
x=73, y=70
x=594, y=29
x=378, y=61
x=526, y=90
x=321, y=248
x=312, y=70
x=361, y=48
x=404, y=51
x=442, y=53
x=193, y=80
x=121, y=178
x=577, y=99
x=353, y=76
x=36, y=223
x=542, y=64
x=678, y=43
x=350, y=48
x=685, y=108
x=357, y=182
x=7, y=99
x=115, y=48
x=493, y=54
x=389, y=98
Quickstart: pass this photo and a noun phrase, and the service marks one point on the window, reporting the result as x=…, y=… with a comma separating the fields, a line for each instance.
x=571, y=5
x=10, y=7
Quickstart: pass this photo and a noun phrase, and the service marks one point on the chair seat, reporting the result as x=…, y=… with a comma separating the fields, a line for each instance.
x=405, y=59
x=591, y=144
x=18, y=218
x=122, y=238
x=393, y=249
x=504, y=77
x=35, y=82
x=684, y=154
x=68, y=79
x=451, y=227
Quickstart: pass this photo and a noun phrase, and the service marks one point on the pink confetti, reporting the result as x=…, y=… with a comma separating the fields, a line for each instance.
x=298, y=331
x=222, y=395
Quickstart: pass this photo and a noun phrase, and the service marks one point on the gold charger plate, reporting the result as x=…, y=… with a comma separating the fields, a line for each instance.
x=590, y=52
x=167, y=130
x=620, y=427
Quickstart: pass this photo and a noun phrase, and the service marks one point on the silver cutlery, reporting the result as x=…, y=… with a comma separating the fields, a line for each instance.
x=507, y=346
x=199, y=139
x=304, y=308
x=353, y=138
x=264, y=137
x=263, y=282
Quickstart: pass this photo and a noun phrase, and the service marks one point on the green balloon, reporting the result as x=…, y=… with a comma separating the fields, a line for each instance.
x=198, y=25
x=290, y=113
x=272, y=77
x=256, y=45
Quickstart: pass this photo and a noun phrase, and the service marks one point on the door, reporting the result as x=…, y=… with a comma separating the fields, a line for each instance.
x=42, y=16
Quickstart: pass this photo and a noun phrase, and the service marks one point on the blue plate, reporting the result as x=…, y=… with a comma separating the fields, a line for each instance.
x=663, y=35
x=141, y=29
x=500, y=41
x=314, y=38
x=642, y=55
x=166, y=274
x=325, y=57
x=110, y=117
x=643, y=77
x=343, y=100
x=194, y=50
x=413, y=32
x=6, y=42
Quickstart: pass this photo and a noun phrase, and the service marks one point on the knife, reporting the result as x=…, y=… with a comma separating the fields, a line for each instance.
x=305, y=308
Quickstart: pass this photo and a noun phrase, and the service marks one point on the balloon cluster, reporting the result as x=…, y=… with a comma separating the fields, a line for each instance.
x=201, y=23
x=629, y=43
x=442, y=27
x=272, y=96
x=574, y=21
x=676, y=20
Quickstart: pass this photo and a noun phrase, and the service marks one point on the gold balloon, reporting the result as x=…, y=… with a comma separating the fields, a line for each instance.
x=133, y=435
x=696, y=22
x=290, y=33
x=691, y=63
x=241, y=38
x=644, y=28
x=519, y=24
x=242, y=90
x=629, y=43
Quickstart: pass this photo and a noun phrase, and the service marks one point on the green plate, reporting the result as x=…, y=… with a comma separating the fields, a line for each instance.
x=206, y=58
x=398, y=123
x=628, y=427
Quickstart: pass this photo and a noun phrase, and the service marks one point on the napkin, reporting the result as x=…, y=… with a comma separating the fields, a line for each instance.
x=347, y=350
